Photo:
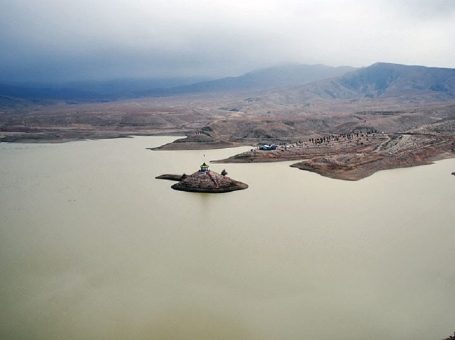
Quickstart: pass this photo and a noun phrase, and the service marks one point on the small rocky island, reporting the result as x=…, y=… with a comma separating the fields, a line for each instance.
x=204, y=180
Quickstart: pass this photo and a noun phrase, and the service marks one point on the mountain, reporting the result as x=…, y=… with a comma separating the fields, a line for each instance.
x=273, y=77
x=385, y=80
x=393, y=80
x=293, y=83
x=265, y=79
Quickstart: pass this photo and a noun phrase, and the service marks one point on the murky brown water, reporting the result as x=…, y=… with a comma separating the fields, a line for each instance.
x=93, y=247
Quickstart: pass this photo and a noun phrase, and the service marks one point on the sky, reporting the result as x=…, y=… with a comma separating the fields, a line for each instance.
x=63, y=40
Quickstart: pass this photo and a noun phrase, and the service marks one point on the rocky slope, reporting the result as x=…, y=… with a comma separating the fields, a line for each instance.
x=378, y=81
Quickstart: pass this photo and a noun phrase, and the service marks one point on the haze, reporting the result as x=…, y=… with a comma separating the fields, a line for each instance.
x=55, y=40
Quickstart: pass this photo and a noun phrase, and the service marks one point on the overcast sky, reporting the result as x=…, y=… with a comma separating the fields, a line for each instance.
x=63, y=40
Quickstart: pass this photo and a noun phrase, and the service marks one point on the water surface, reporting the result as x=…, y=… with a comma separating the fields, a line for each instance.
x=93, y=247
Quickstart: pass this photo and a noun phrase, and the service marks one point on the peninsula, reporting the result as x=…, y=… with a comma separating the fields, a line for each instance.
x=204, y=180
x=355, y=155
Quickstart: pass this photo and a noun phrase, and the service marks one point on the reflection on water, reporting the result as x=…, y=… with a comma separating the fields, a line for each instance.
x=93, y=247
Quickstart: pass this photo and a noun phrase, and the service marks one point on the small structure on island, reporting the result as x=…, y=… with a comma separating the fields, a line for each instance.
x=205, y=180
x=204, y=167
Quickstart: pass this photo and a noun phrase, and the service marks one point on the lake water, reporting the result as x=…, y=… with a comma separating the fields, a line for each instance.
x=93, y=247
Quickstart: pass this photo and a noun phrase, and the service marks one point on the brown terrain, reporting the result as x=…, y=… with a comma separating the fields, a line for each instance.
x=336, y=128
x=204, y=181
x=358, y=155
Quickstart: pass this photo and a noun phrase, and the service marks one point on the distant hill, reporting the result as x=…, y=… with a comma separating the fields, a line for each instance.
x=265, y=79
x=384, y=80
x=269, y=78
x=291, y=83
x=93, y=90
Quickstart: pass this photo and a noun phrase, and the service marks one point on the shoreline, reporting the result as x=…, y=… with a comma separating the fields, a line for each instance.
x=61, y=136
x=350, y=159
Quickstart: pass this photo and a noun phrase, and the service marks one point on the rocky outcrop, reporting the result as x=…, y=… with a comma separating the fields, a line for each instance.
x=205, y=181
x=171, y=177
x=199, y=141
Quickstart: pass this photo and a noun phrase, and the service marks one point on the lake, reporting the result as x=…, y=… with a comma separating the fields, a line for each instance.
x=92, y=246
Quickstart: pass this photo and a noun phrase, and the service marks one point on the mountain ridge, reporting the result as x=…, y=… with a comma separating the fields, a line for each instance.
x=385, y=82
x=295, y=82
x=257, y=80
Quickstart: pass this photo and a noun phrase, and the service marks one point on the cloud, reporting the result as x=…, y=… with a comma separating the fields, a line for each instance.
x=100, y=39
x=424, y=9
